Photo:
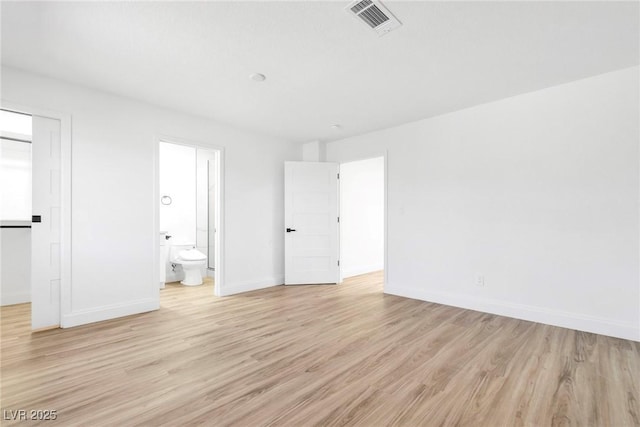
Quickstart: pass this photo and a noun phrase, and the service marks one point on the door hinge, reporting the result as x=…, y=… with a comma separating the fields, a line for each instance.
x=338, y=219
x=338, y=175
x=338, y=263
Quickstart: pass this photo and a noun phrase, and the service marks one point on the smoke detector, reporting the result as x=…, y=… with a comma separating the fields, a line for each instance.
x=375, y=15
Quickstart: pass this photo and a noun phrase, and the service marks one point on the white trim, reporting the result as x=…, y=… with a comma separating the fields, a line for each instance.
x=155, y=223
x=219, y=276
x=339, y=183
x=11, y=298
x=581, y=322
x=65, y=194
x=385, y=280
x=247, y=286
x=220, y=268
x=108, y=312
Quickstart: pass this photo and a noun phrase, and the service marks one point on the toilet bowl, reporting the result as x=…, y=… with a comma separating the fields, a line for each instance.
x=192, y=262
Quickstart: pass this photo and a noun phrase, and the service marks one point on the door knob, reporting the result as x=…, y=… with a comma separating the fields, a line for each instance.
x=289, y=230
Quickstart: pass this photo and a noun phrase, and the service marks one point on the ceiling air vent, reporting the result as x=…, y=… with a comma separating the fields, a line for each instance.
x=375, y=15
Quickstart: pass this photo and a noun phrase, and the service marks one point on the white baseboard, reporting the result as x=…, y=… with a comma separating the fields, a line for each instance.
x=236, y=288
x=11, y=298
x=360, y=269
x=580, y=322
x=98, y=314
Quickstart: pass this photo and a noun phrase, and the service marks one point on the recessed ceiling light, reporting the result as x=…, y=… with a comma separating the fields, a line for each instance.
x=257, y=77
x=336, y=127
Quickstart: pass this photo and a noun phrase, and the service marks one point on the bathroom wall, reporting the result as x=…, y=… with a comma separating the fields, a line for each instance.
x=178, y=181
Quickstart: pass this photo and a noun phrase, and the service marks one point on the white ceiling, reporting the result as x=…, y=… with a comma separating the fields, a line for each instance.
x=322, y=65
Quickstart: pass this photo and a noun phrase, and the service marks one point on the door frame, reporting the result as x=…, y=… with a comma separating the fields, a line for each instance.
x=65, y=195
x=382, y=154
x=219, y=277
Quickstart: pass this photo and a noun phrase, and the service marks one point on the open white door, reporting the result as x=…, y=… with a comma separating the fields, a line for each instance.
x=311, y=223
x=46, y=224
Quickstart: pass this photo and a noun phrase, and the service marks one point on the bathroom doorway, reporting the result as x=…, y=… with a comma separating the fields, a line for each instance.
x=189, y=214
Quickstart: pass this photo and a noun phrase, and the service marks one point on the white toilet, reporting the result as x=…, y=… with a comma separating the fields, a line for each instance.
x=191, y=260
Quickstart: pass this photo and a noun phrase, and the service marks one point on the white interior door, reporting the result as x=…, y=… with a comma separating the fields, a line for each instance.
x=311, y=223
x=46, y=224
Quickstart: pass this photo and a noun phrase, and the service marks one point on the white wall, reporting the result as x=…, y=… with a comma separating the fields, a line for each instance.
x=15, y=209
x=538, y=193
x=15, y=268
x=313, y=151
x=178, y=181
x=15, y=176
x=113, y=200
x=362, y=216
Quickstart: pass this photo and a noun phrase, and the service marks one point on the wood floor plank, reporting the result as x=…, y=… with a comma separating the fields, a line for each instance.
x=316, y=356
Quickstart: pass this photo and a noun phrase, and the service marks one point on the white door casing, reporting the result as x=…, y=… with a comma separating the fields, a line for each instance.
x=311, y=216
x=46, y=235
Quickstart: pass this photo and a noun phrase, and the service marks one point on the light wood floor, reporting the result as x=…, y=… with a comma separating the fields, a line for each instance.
x=317, y=355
